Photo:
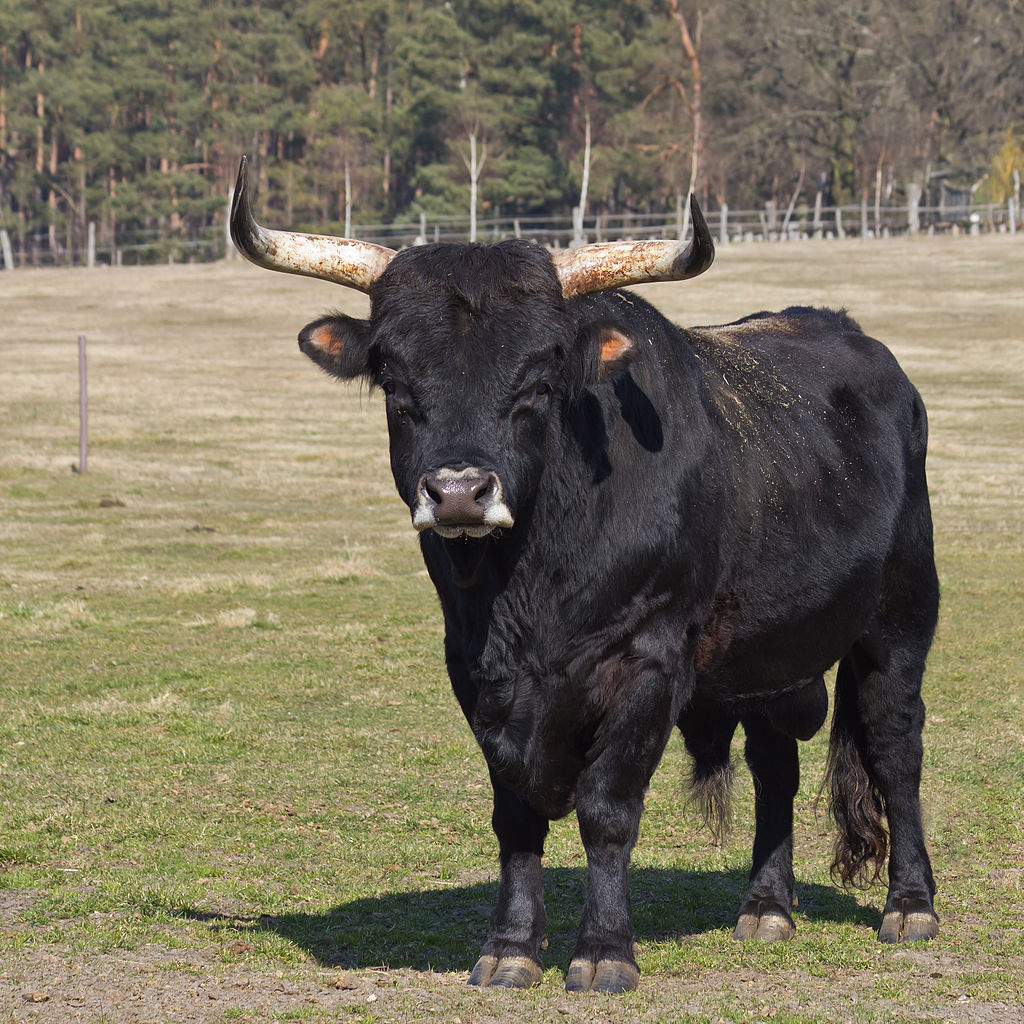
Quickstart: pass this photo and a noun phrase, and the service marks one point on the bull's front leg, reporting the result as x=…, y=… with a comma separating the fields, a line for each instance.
x=510, y=957
x=609, y=803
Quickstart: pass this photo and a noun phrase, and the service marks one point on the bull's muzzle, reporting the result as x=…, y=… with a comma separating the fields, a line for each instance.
x=457, y=502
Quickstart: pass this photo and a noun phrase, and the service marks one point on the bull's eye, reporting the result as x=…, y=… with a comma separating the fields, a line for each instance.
x=543, y=388
x=388, y=386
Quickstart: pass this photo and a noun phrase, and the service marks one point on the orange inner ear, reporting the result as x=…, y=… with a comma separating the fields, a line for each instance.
x=614, y=346
x=327, y=341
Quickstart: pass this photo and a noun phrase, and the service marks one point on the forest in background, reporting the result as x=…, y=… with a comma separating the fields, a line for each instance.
x=132, y=114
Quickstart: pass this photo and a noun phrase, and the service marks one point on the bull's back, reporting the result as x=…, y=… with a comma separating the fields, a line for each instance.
x=824, y=438
x=814, y=414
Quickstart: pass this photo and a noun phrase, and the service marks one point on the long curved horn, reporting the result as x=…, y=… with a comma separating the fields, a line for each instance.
x=603, y=265
x=342, y=260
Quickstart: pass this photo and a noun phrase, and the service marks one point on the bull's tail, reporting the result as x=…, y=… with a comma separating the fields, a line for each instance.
x=862, y=844
x=708, y=735
x=711, y=794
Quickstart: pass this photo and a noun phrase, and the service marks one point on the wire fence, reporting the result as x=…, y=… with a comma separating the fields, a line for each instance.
x=556, y=231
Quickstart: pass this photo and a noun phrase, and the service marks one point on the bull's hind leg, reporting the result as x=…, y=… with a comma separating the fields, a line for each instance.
x=510, y=957
x=772, y=758
x=775, y=767
x=771, y=755
x=876, y=750
x=875, y=766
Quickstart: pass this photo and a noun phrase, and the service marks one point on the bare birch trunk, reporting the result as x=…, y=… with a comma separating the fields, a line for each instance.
x=475, y=166
x=585, y=183
x=691, y=47
x=472, y=186
x=878, y=201
x=348, y=200
x=793, y=198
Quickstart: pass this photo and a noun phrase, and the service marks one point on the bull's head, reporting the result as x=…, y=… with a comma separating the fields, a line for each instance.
x=473, y=346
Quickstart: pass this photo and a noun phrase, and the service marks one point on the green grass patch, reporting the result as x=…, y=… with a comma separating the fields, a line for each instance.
x=228, y=749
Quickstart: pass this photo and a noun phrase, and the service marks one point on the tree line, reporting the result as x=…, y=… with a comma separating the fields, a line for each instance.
x=132, y=114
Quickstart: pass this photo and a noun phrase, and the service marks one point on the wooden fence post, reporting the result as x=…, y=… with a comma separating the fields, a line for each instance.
x=5, y=245
x=83, y=407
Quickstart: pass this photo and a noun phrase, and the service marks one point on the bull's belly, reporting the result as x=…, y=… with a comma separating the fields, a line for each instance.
x=761, y=648
x=754, y=672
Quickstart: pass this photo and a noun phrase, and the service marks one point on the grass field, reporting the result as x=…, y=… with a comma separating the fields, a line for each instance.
x=234, y=785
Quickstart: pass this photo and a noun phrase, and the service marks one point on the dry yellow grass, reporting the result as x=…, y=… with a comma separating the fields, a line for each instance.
x=185, y=359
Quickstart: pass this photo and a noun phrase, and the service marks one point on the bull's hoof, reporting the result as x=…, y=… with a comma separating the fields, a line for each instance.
x=604, y=976
x=910, y=920
x=764, y=921
x=506, y=972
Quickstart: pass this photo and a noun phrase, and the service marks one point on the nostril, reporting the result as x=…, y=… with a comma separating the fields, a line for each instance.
x=432, y=492
x=486, y=491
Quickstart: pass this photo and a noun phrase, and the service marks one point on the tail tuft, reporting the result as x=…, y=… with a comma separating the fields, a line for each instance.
x=711, y=793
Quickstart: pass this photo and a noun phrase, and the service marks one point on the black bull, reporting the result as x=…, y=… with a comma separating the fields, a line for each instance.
x=632, y=526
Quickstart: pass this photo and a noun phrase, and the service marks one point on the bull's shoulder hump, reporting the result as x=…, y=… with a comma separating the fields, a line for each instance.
x=802, y=338
x=792, y=323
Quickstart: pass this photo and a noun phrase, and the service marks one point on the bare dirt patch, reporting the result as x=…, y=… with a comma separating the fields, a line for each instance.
x=160, y=984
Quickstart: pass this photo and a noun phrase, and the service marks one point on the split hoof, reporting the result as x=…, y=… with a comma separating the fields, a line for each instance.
x=911, y=920
x=764, y=921
x=506, y=972
x=604, y=976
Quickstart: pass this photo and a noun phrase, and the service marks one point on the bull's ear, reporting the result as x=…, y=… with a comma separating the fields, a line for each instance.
x=615, y=351
x=338, y=344
x=604, y=350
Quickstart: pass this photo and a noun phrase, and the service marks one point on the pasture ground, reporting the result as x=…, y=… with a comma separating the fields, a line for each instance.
x=234, y=785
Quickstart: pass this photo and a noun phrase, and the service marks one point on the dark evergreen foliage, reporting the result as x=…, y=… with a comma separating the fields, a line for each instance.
x=132, y=113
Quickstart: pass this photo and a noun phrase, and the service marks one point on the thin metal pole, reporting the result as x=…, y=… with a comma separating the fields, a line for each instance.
x=83, y=407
